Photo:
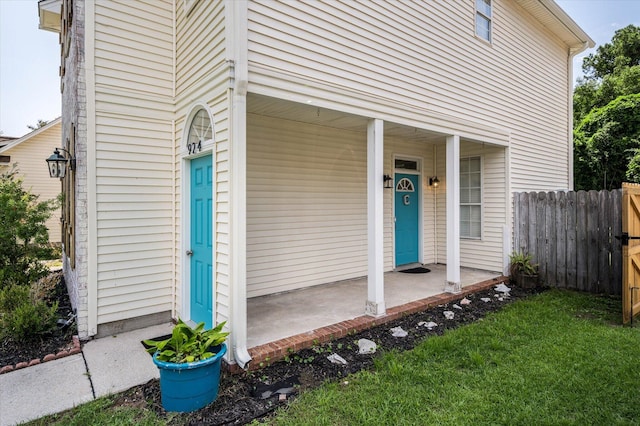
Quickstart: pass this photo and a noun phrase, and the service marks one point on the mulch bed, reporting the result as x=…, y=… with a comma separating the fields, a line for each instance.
x=57, y=343
x=241, y=400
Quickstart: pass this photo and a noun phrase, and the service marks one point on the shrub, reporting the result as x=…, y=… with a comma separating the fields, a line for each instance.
x=21, y=317
x=46, y=288
x=24, y=237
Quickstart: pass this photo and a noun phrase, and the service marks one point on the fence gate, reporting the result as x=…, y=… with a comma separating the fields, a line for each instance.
x=630, y=251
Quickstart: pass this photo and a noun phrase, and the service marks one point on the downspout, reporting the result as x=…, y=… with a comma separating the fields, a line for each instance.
x=238, y=184
x=174, y=254
x=573, y=51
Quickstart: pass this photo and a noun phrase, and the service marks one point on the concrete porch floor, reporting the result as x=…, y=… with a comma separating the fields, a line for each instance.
x=279, y=316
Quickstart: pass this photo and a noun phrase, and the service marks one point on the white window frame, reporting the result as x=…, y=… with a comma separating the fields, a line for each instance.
x=485, y=14
x=188, y=5
x=468, y=204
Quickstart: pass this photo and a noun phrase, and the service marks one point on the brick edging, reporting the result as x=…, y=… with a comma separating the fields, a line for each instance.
x=75, y=349
x=266, y=354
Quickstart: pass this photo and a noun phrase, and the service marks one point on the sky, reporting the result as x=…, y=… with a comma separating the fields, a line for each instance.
x=29, y=57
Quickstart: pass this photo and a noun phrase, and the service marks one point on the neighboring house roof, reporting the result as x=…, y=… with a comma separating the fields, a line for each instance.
x=49, y=13
x=29, y=135
x=4, y=140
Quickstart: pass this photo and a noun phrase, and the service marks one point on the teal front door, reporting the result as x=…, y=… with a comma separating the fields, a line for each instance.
x=407, y=203
x=201, y=252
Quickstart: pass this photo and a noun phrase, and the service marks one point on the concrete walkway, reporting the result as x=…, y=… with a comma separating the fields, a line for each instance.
x=105, y=366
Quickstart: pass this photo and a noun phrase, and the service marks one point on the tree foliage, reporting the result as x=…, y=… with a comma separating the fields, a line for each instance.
x=41, y=123
x=607, y=114
x=606, y=142
x=24, y=237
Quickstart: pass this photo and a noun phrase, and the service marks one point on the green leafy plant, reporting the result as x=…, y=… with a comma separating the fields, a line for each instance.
x=23, y=317
x=520, y=263
x=187, y=344
x=24, y=238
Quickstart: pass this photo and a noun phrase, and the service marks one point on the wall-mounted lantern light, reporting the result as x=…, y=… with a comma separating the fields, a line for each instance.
x=58, y=163
x=388, y=182
x=434, y=181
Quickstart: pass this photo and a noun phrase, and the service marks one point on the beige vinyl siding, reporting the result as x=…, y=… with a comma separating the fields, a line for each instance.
x=306, y=205
x=29, y=156
x=203, y=75
x=200, y=45
x=133, y=151
x=383, y=54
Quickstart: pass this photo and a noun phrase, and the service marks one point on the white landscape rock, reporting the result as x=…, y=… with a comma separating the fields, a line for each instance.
x=430, y=325
x=456, y=306
x=398, y=332
x=502, y=288
x=465, y=301
x=485, y=299
x=449, y=315
x=337, y=359
x=366, y=346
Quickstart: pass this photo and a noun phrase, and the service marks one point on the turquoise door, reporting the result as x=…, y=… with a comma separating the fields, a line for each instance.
x=201, y=241
x=407, y=203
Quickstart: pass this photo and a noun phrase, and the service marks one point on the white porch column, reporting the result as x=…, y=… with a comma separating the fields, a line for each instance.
x=375, y=219
x=453, y=285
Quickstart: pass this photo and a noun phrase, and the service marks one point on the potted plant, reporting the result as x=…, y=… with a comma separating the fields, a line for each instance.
x=189, y=362
x=523, y=272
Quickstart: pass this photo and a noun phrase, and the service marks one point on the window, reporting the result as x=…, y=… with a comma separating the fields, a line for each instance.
x=406, y=164
x=470, y=197
x=188, y=5
x=200, y=131
x=483, y=19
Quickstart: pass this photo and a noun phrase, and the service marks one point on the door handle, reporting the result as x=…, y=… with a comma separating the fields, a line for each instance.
x=189, y=252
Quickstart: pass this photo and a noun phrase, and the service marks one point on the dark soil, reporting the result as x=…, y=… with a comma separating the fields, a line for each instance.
x=240, y=396
x=12, y=352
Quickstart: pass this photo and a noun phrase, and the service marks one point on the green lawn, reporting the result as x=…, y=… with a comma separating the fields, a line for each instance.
x=559, y=358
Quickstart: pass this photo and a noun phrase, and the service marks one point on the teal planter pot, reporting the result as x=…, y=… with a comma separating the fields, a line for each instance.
x=190, y=386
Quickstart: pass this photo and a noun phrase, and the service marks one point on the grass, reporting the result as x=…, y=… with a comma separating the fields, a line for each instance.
x=557, y=359
x=101, y=412
x=560, y=358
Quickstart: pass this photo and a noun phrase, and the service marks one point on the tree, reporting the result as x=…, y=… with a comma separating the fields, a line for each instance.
x=606, y=117
x=41, y=123
x=24, y=237
x=606, y=141
x=622, y=52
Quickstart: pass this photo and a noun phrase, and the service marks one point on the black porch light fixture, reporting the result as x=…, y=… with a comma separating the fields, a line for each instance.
x=57, y=163
x=388, y=182
x=434, y=181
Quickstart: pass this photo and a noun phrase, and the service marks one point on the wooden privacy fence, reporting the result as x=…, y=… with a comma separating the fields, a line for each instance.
x=571, y=236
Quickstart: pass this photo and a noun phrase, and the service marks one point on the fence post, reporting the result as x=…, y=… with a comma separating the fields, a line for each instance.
x=561, y=240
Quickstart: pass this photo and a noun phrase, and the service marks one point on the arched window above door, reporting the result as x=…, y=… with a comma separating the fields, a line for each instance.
x=200, y=131
x=405, y=185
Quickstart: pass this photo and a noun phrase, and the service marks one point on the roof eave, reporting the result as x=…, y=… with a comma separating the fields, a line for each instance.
x=559, y=22
x=49, y=12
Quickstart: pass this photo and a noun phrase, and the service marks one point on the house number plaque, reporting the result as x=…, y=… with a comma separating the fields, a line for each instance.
x=194, y=148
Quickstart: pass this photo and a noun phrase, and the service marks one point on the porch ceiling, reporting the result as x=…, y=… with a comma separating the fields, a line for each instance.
x=306, y=113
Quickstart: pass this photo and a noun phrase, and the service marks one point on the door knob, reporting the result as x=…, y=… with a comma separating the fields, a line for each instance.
x=189, y=252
